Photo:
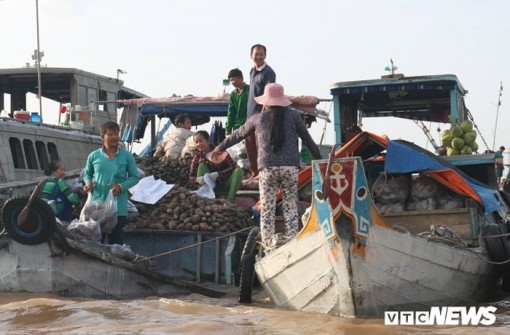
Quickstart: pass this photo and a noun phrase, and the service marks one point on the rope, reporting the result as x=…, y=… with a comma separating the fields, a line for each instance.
x=489, y=261
x=470, y=116
x=376, y=194
x=143, y=258
x=500, y=235
x=455, y=240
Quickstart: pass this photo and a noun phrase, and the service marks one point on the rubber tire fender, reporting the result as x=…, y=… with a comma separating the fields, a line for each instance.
x=40, y=222
x=248, y=266
x=498, y=248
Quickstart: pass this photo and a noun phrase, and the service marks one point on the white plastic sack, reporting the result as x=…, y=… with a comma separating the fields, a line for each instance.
x=207, y=190
x=189, y=147
x=85, y=230
x=103, y=212
x=123, y=251
x=132, y=210
x=237, y=151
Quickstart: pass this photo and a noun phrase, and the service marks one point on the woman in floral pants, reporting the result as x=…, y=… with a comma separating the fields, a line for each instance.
x=278, y=129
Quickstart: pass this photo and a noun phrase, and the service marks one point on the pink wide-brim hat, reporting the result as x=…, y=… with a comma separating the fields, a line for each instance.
x=273, y=96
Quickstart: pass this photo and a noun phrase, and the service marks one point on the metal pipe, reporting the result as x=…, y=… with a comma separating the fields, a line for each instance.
x=217, y=263
x=38, y=61
x=199, y=259
x=497, y=113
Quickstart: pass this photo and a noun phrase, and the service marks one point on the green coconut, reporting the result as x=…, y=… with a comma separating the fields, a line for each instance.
x=474, y=146
x=446, y=138
x=458, y=143
x=456, y=131
x=466, y=126
x=466, y=150
x=469, y=137
x=452, y=152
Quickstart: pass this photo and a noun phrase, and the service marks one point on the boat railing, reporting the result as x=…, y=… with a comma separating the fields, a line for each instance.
x=10, y=189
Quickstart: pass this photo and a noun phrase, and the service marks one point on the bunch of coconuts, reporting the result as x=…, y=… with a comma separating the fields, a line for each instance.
x=460, y=139
x=181, y=209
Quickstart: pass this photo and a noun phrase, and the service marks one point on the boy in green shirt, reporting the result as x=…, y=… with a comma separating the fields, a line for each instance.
x=236, y=113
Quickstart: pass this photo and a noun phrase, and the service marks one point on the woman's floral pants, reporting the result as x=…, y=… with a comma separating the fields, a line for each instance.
x=271, y=179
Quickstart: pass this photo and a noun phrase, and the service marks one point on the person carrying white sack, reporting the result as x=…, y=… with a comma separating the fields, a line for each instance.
x=113, y=168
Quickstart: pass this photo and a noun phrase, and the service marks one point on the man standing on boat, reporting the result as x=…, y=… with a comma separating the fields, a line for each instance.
x=236, y=112
x=261, y=74
x=113, y=167
x=499, y=162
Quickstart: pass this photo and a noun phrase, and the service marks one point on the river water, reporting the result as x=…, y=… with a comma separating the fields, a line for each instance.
x=23, y=313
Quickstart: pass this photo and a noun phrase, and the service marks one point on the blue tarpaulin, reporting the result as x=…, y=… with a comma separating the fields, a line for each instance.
x=199, y=112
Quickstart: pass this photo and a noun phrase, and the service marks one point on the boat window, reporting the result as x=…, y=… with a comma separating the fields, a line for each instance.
x=30, y=154
x=42, y=154
x=52, y=149
x=17, y=153
x=103, y=97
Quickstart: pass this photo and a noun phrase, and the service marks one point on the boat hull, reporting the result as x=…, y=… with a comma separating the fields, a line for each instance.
x=400, y=271
x=83, y=272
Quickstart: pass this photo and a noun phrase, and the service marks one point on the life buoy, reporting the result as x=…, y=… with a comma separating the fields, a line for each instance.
x=38, y=226
x=248, y=266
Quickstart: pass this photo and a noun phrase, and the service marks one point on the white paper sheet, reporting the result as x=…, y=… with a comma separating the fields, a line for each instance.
x=149, y=190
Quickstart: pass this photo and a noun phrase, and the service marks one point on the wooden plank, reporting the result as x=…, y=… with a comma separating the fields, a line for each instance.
x=458, y=220
x=435, y=211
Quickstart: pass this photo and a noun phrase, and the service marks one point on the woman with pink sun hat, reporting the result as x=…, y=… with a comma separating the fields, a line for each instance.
x=278, y=129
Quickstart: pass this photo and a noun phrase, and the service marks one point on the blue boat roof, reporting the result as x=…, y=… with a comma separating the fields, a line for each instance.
x=443, y=81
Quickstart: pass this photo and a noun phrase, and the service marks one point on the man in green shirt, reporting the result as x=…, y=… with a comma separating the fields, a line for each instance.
x=112, y=167
x=236, y=113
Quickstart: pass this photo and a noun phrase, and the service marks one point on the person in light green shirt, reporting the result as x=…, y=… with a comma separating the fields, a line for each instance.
x=236, y=113
x=113, y=167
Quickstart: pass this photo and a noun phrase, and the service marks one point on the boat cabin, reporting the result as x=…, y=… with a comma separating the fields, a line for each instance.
x=27, y=144
x=422, y=98
x=92, y=97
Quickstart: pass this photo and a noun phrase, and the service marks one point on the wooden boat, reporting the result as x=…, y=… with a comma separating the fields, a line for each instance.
x=79, y=269
x=351, y=258
x=27, y=147
x=206, y=257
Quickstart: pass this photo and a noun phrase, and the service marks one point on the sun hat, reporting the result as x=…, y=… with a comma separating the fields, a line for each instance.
x=273, y=96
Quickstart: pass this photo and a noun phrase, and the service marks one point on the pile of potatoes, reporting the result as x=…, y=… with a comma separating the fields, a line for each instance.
x=171, y=170
x=181, y=209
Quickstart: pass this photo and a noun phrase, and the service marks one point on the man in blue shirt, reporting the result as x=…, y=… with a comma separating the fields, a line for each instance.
x=260, y=75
